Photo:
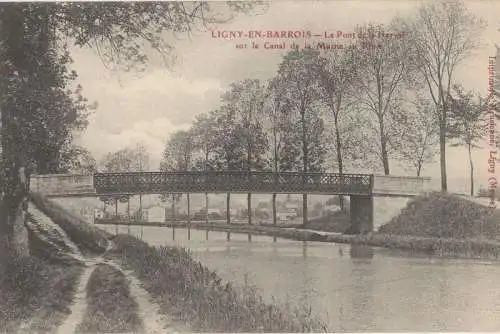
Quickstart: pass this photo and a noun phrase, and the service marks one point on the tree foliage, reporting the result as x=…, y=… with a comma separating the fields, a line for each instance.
x=134, y=159
x=245, y=100
x=297, y=74
x=78, y=160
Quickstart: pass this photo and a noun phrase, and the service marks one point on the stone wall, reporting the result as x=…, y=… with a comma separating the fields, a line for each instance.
x=403, y=185
x=386, y=208
x=81, y=207
x=61, y=183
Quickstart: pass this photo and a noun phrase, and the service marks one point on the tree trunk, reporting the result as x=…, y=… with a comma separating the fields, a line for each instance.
x=15, y=178
x=228, y=208
x=274, y=209
x=442, y=153
x=14, y=241
x=140, y=207
x=206, y=208
x=471, y=171
x=384, y=153
x=249, y=205
x=305, y=160
x=304, y=209
x=173, y=207
x=189, y=208
x=338, y=141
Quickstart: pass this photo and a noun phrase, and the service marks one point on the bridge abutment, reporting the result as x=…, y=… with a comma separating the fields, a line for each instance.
x=361, y=208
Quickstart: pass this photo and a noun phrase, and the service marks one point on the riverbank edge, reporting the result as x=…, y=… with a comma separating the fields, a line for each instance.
x=441, y=247
x=183, y=288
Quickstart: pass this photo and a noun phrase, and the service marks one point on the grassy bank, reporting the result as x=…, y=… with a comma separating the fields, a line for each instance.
x=88, y=238
x=182, y=287
x=439, y=215
x=35, y=295
x=110, y=308
x=191, y=293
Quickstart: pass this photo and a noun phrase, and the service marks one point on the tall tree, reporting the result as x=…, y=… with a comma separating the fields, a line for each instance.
x=29, y=30
x=384, y=65
x=246, y=98
x=280, y=131
x=467, y=123
x=337, y=75
x=229, y=154
x=297, y=73
x=443, y=35
x=204, y=133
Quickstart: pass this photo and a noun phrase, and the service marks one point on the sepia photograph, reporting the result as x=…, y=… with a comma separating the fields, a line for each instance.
x=249, y=166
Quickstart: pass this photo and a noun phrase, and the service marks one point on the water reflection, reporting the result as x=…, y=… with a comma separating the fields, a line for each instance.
x=361, y=252
x=355, y=288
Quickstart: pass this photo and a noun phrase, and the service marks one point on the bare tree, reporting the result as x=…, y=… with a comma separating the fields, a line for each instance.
x=419, y=136
x=384, y=65
x=337, y=75
x=467, y=123
x=443, y=35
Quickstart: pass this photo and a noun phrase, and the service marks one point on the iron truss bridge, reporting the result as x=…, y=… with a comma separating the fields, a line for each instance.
x=232, y=181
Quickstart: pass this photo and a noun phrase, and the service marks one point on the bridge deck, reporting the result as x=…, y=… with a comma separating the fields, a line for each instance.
x=101, y=184
x=237, y=182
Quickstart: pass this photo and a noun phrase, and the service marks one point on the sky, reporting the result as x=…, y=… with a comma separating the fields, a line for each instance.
x=151, y=105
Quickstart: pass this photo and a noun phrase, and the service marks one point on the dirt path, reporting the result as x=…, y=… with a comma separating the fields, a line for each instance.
x=154, y=321
x=79, y=304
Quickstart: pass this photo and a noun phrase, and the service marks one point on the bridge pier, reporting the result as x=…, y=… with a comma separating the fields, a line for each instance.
x=361, y=208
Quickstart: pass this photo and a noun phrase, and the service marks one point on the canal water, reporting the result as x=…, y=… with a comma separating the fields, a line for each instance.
x=352, y=289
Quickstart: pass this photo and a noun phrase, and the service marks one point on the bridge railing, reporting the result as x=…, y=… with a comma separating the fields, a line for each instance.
x=233, y=181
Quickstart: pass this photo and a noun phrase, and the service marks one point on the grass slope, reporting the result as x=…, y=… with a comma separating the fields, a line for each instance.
x=36, y=293
x=444, y=216
x=110, y=308
x=87, y=237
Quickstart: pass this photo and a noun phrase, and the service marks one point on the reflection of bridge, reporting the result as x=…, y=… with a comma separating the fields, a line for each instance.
x=120, y=186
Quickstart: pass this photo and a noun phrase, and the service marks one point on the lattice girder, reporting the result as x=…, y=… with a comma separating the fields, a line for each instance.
x=233, y=181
